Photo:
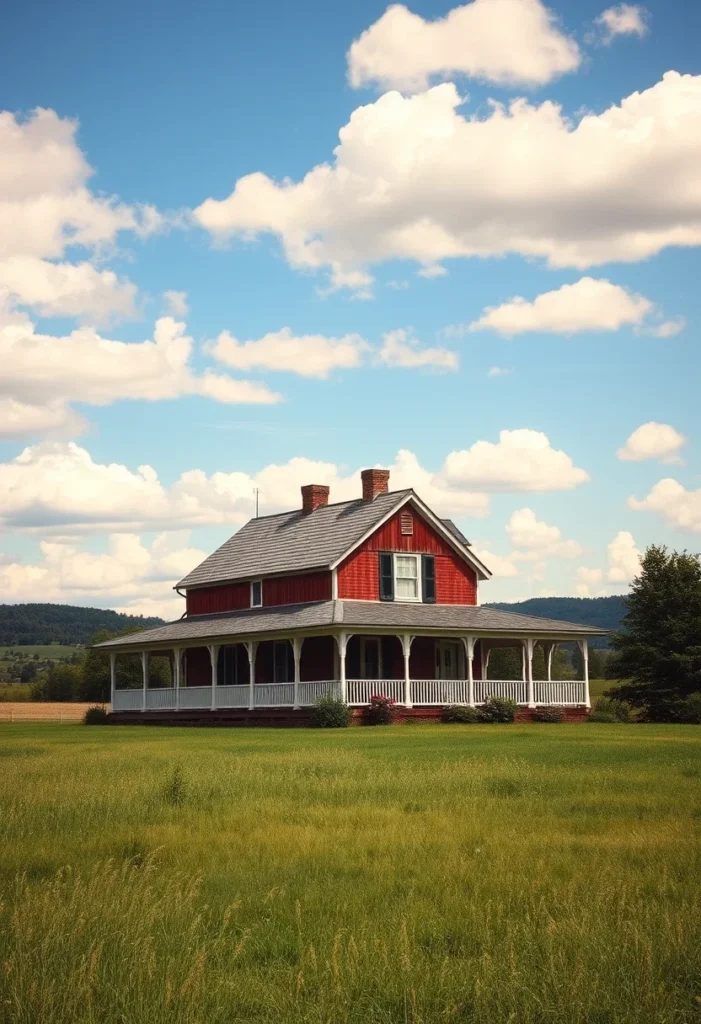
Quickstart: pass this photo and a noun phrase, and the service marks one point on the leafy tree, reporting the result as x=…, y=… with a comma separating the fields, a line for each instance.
x=658, y=651
x=63, y=683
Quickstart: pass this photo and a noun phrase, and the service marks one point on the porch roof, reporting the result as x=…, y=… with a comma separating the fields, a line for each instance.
x=352, y=615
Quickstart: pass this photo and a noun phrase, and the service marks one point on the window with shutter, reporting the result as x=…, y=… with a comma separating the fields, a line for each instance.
x=428, y=578
x=386, y=576
x=406, y=578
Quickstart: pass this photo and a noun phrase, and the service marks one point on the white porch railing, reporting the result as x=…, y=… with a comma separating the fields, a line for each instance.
x=426, y=692
x=514, y=689
x=127, y=700
x=308, y=692
x=560, y=691
x=361, y=690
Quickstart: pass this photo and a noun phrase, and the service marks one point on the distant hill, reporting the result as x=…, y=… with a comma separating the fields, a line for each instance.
x=62, y=623
x=605, y=612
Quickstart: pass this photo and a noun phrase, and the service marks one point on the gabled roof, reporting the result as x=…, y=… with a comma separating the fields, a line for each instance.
x=297, y=542
x=293, y=541
x=354, y=616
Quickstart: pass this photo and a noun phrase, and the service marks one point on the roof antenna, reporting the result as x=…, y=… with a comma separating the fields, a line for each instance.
x=255, y=491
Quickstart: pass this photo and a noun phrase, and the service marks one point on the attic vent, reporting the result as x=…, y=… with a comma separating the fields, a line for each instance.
x=407, y=521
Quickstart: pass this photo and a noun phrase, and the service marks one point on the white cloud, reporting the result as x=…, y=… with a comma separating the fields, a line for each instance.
x=48, y=419
x=401, y=349
x=653, y=441
x=414, y=178
x=586, y=579
x=66, y=289
x=536, y=538
x=129, y=574
x=176, y=304
x=589, y=304
x=309, y=355
x=432, y=270
x=498, y=565
x=668, y=328
x=622, y=20
x=498, y=371
x=83, y=366
x=503, y=41
x=623, y=558
x=58, y=487
x=673, y=503
x=522, y=460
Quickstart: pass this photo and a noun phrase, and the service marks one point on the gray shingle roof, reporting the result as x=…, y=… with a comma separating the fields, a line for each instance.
x=353, y=615
x=456, y=531
x=293, y=541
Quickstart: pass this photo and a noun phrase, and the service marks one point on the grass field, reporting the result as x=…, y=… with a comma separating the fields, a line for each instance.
x=536, y=874
x=43, y=650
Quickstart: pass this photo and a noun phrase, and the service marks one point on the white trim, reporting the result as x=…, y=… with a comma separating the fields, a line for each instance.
x=419, y=582
x=253, y=584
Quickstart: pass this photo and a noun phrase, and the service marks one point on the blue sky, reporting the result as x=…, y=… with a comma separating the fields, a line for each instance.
x=432, y=212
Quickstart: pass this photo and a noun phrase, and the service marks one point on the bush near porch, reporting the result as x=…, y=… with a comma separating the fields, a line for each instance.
x=372, y=876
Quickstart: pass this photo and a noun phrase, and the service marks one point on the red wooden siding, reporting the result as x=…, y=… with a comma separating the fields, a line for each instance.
x=358, y=576
x=314, y=586
x=231, y=597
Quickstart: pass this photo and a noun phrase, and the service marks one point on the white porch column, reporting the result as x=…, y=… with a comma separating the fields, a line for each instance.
x=523, y=659
x=406, y=639
x=470, y=652
x=144, y=673
x=177, y=672
x=251, y=648
x=528, y=657
x=297, y=642
x=113, y=676
x=485, y=660
x=549, y=648
x=214, y=658
x=342, y=643
x=584, y=648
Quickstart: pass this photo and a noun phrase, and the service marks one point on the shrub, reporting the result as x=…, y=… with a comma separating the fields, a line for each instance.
x=690, y=710
x=461, y=713
x=15, y=692
x=330, y=713
x=95, y=716
x=608, y=709
x=381, y=710
x=498, y=709
x=549, y=713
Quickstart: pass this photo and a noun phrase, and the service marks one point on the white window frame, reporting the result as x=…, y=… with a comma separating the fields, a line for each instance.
x=258, y=583
x=417, y=559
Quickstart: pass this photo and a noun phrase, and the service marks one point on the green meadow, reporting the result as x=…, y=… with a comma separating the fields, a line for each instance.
x=536, y=874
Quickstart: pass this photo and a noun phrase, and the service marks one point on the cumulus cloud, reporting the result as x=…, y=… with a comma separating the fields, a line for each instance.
x=66, y=289
x=622, y=20
x=586, y=579
x=673, y=503
x=589, y=304
x=503, y=41
x=130, y=574
x=401, y=349
x=498, y=565
x=309, y=355
x=653, y=441
x=668, y=328
x=536, y=538
x=55, y=486
x=522, y=460
x=623, y=558
x=39, y=369
x=415, y=178
x=176, y=304
x=498, y=371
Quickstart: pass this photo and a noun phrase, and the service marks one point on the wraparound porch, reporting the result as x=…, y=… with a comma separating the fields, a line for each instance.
x=278, y=677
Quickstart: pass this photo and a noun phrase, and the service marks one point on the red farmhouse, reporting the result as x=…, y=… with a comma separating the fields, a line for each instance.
x=374, y=595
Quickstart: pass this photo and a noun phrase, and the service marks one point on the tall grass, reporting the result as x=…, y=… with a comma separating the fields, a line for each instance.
x=436, y=873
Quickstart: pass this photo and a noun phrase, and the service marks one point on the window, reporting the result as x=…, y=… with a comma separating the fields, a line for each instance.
x=406, y=578
x=257, y=594
x=370, y=658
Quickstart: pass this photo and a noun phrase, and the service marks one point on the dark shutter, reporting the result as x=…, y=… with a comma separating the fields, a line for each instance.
x=428, y=579
x=386, y=576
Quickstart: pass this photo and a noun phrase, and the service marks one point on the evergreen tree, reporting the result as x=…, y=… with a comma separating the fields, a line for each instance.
x=658, y=651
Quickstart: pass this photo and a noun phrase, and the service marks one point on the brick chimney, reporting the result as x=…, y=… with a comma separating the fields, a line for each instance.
x=313, y=497
x=375, y=481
